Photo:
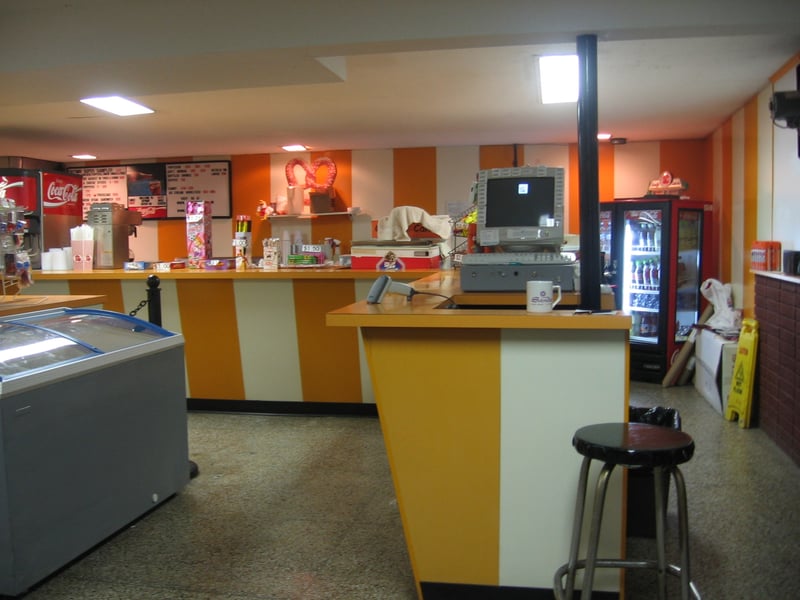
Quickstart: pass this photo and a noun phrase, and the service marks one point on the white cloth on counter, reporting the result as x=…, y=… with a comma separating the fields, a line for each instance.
x=395, y=226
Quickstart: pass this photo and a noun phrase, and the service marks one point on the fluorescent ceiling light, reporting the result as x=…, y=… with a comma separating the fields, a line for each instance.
x=558, y=78
x=84, y=157
x=118, y=105
x=295, y=148
x=603, y=137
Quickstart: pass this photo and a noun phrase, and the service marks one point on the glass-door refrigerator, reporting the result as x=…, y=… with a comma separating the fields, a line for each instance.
x=656, y=253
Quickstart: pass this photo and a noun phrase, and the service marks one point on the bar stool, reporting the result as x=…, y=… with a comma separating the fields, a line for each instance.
x=629, y=445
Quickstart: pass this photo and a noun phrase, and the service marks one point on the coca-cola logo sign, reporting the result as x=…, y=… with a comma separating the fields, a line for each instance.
x=60, y=193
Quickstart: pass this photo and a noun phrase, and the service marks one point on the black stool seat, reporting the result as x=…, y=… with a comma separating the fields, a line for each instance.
x=634, y=444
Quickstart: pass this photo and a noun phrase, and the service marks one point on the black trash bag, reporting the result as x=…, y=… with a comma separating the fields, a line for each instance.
x=641, y=492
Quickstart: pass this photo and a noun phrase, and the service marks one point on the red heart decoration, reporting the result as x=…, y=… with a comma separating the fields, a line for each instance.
x=311, y=173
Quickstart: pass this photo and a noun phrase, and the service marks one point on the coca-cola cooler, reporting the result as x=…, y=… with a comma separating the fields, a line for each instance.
x=657, y=254
x=52, y=202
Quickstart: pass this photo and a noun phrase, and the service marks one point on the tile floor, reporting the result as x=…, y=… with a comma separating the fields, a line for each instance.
x=302, y=508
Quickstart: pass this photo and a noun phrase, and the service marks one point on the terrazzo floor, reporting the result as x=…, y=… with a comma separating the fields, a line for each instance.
x=302, y=508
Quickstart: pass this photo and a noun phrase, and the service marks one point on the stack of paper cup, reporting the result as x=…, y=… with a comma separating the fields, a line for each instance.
x=82, y=238
x=47, y=261
x=59, y=259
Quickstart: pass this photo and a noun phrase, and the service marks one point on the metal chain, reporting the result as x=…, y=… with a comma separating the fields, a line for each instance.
x=142, y=304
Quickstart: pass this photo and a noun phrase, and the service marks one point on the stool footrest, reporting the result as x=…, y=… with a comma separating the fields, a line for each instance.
x=616, y=563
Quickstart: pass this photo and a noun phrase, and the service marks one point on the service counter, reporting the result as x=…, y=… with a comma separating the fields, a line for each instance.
x=250, y=336
x=478, y=408
x=260, y=336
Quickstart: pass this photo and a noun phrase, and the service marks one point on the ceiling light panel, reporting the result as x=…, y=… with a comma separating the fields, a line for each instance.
x=117, y=105
x=558, y=78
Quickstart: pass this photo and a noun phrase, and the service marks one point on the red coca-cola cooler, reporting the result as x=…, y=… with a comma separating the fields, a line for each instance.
x=52, y=202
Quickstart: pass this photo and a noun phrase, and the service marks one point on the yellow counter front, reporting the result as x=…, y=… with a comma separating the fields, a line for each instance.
x=478, y=407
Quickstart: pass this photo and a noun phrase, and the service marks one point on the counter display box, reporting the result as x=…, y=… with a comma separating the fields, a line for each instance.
x=715, y=357
x=378, y=255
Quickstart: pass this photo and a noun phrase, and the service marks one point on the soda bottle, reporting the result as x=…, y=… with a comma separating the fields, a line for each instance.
x=655, y=274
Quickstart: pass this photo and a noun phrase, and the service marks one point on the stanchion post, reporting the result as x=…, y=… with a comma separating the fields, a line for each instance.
x=154, y=300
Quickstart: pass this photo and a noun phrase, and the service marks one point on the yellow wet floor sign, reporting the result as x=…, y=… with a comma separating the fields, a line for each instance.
x=740, y=399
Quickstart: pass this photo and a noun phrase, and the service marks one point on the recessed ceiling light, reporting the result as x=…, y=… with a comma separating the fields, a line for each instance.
x=558, y=78
x=84, y=157
x=603, y=137
x=117, y=105
x=295, y=148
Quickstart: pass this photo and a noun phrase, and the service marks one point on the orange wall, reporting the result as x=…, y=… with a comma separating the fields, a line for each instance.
x=415, y=178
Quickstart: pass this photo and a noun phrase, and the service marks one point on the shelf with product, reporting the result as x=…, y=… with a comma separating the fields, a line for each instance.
x=350, y=212
x=15, y=266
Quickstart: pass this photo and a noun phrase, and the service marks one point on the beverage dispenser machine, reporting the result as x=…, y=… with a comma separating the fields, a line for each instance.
x=52, y=203
x=112, y=224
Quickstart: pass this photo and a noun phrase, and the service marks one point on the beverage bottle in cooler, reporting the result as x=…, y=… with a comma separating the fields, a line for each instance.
x=636, y=326
x=636, y=235
x=647, y=236
x=655, y=273
x=654, y=325
x=638, y=277
x=644, y=325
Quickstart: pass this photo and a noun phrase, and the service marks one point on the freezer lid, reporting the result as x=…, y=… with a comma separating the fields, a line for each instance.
x=24, y=349
x=103, y=330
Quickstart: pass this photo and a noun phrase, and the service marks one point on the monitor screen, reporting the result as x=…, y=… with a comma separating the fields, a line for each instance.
x=520, y=201
x=520, y=208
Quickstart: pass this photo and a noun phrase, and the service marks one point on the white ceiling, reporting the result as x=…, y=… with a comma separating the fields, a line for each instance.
x=247, y=76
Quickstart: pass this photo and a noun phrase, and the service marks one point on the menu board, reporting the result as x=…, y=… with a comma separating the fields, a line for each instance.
x=103, y=184
x=159, y=190
x=198, y=181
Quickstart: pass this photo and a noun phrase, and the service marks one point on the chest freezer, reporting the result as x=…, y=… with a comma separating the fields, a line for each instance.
x=93, y=433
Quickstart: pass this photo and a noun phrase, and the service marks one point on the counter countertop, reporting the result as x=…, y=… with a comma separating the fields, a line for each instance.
x=313, y=273
x=425, y=309
x=780, y=275
x=12, y=305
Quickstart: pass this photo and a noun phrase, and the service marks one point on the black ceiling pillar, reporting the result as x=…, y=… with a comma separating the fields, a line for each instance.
x=588, y=173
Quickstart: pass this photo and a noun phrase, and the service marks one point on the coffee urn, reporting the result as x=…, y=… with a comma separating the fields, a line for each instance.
x=112, y=224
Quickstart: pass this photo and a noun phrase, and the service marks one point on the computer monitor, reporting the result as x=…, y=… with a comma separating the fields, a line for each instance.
x=520, y=209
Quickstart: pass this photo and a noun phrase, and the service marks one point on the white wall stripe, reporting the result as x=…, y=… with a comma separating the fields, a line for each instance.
x=536, y=405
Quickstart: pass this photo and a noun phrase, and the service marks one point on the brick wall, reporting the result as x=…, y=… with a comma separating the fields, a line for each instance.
x=777, y=309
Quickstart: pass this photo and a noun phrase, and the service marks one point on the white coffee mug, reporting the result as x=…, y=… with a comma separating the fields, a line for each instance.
x=539, y=296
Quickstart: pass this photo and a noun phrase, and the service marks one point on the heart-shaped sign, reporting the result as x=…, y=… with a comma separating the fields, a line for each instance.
x=311, y=173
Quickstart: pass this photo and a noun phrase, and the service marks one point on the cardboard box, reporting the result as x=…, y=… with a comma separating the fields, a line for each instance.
x=395, y=258
x=198, y=232
x=714, y=360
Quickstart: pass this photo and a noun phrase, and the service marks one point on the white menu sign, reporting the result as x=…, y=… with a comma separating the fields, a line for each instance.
x=198, y=181
x=103, y=184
